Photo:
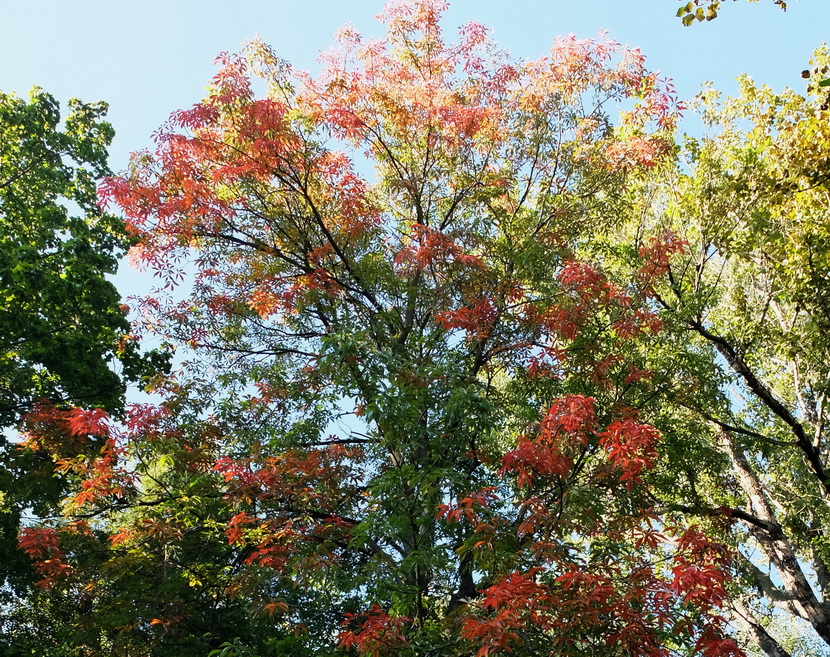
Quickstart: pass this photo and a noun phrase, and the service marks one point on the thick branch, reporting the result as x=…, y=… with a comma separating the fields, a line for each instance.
x=822, y=575
x=766, y=587
x=723, y=512
x=467, y=589
x=744, y=432
x=777, y=547
x=749, y=624
x=740, y=367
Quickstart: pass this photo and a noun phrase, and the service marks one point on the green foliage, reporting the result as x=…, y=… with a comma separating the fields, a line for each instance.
x=744, y=351
x=61, y=325
x=62, y=328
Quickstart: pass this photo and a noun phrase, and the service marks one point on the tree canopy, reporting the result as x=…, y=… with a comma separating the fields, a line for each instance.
x=478, y=360
x=750, y=298
x=62, y=326
x=60, y=321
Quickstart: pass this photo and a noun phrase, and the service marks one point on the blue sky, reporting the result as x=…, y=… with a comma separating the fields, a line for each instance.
x=151, y=57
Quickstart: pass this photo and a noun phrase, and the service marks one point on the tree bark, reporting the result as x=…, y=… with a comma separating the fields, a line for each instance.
x=777, y=547
x=749, y=624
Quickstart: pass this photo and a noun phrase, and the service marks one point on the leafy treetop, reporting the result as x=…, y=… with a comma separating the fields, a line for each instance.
x=61, y=322
x=411, y=422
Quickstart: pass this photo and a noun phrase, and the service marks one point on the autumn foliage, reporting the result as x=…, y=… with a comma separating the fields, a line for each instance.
x=410, y=407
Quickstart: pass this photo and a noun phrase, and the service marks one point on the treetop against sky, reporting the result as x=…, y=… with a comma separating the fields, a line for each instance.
x=148, y=59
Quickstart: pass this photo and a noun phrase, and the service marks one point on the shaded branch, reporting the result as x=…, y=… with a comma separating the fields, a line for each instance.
x=749, y=624
x=740, y=367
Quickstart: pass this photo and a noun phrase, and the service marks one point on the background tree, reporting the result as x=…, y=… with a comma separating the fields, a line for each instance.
x=62, y=328
x=744, y=353
x=60, y=322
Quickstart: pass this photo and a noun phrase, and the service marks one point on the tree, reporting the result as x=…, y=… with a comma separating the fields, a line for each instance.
x=410, y=424
x=746, y=314
x=60, y=322
x=62, y=327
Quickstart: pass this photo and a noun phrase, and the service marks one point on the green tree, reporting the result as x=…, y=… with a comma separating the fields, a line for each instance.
x=62, y=328
x=745, y=352
x=60, y=321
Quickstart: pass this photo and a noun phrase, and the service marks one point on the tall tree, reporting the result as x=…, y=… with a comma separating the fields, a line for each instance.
x=60, y=320
x=744, y=354
x=411, y=414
